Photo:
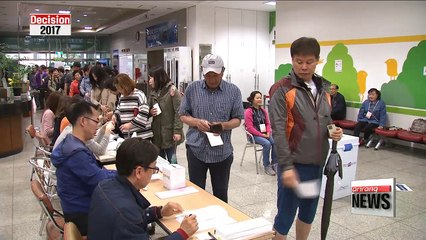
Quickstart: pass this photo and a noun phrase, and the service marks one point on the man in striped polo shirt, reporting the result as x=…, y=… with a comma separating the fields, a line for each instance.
x=211, y=105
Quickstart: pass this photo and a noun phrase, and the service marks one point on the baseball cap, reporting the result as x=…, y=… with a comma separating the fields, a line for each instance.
x=67, y=68
x=212, y=63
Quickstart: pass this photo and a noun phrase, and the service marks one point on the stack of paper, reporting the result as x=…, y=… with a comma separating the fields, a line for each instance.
x=208, y=217
x=176, y=192
x=244, y=230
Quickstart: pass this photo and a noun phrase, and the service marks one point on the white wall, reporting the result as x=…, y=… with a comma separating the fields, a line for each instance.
x=347, y=20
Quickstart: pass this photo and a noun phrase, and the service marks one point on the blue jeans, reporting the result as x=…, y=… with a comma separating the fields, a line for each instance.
x=267, y=145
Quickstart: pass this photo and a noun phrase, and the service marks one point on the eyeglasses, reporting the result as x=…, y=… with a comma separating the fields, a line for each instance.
x=96, y=121
x=156, y=169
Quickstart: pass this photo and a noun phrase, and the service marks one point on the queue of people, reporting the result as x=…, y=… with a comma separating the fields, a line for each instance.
x=107, y=204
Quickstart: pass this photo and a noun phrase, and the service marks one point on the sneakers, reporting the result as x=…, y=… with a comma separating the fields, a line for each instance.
x=269, y=170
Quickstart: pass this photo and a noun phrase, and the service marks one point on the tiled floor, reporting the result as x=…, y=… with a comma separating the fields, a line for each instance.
x=254, y=194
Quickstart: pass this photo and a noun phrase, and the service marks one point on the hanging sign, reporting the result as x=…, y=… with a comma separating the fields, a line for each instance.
x=50, y=24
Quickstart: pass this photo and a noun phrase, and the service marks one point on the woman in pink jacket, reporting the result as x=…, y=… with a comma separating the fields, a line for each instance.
x=257, y=123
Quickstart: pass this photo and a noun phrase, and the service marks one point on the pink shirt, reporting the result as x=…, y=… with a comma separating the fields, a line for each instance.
x=248, y=119
x=47, y=123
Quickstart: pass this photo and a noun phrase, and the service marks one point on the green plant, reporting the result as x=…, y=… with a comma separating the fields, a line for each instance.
x=12, y=70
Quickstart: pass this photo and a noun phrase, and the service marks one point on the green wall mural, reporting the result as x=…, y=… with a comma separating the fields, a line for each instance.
x=408, y=90
x=347, y=77
x=282, y=71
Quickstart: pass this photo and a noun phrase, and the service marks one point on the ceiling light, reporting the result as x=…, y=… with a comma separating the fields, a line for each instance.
x=272, y=3
x=84, y=15
x=37, y=10
x=64, y=11
x=88, y=27
x=78, y=20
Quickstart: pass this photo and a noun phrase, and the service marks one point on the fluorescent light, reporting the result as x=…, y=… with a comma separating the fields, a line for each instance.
x=64, y=11
x=78, y=20
x=37, y=10
x=88, y=27
x=84, y=15
x=272, y=3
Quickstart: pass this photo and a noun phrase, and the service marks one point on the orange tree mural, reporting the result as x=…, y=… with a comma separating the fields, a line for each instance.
x=408, y=90
x=347, y=77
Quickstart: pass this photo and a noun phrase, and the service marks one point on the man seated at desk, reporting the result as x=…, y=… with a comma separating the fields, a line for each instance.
x=119, y=211
x=77, y=171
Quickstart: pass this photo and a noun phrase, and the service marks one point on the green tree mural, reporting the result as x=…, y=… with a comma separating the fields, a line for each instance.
x=408, y=90
x=282, y=71
x=347, y=78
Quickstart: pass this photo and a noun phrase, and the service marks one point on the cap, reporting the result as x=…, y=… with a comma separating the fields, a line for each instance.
x=212, y=63
x=67, y=68
x=76, y=64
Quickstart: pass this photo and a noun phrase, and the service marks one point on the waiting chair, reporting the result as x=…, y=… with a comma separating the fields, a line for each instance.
x=55, y=228
x=250, y=144
x=47, y=179
x=71, y=232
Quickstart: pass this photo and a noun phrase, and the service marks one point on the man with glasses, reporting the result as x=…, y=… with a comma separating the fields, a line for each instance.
x=119, y=211
x=77, y=170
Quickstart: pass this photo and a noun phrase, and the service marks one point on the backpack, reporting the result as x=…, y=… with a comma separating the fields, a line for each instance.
x=418, y=126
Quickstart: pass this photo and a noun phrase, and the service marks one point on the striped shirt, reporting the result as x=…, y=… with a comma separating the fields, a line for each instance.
x=134, y=108
x=220, y=105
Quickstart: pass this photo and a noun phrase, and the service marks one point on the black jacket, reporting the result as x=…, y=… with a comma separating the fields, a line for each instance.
x=338, y=103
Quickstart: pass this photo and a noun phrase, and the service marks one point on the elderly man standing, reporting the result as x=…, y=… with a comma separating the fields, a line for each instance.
x=211, y=105
x=338, y=103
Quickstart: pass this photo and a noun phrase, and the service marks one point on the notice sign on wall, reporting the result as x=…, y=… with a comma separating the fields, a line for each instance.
x=50, y=24
x=374, y=197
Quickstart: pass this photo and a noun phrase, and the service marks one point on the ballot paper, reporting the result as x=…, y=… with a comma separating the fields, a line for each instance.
x=208, y=217
x=157, y=106
x=244, y=229
x=176, y=192
x=308, y=189
x=214, y=140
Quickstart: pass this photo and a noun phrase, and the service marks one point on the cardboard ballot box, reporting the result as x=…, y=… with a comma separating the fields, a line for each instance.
x=173, y=176
x=347, y=147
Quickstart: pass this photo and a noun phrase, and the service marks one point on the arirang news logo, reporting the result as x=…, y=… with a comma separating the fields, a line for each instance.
x=374, y=197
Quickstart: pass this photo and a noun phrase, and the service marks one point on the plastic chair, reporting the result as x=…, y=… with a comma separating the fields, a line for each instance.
x=71, y=232
x=55, y=227
x=250, y=144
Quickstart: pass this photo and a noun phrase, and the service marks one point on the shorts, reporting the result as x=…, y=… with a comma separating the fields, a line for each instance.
x=288, y=202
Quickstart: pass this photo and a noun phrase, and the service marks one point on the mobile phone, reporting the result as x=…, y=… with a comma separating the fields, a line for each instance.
x=331, y=128
x=216, y=128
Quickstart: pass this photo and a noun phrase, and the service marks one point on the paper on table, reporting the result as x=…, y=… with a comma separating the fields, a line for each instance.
x=208, y=217
x=244, y=229
x=308, y=189
x=214, y=140
x=176, y=192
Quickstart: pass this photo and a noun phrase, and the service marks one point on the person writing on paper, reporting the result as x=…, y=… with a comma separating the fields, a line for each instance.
x=257, y=123
x=211, y=105
x=77, y=171
x=300, y=112
x=164, y=100
x=119, y=211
